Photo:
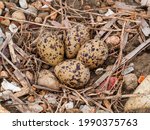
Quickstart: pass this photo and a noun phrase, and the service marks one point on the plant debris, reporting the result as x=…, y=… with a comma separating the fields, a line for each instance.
x=74, y=56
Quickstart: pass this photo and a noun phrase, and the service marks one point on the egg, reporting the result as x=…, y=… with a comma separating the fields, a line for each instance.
x=72, y=73
x=93, y=53
x=76, y=37
x=50, y=48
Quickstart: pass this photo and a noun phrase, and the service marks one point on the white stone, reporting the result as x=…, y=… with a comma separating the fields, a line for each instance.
x=141, y=102
x=9, y=86
x=13, y=28
x=69, y=105
x=23, y=4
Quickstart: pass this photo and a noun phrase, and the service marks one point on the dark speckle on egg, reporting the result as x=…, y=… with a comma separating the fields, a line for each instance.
x=93, y=53
x=72, y=73
x=50, y=48
x=76, y=36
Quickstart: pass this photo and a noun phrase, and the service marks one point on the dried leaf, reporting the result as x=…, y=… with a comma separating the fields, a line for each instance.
x=145, y=27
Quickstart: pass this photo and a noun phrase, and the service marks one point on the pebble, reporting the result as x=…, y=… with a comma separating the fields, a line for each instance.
x=86, y=109
x=2, y=34
x=99, y=71
x=35, y=108
x=3, y=74
x=130, y=81
x=1, y=40
x=1, y=5
x=32, y=10
x=13, y=28
x=6, y=22
x=1, y=11
x=69, y=105
x=51, y=98
x=113, y=40
x=109, y=12
x=23, y=4
x=99, y=19
x=38, y=20
x=19, y=15
x=140, y=103
x=47, y=79
x=37, y=5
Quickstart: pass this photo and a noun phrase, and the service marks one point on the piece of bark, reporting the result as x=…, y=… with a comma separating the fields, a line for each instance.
x=20, y=51
x=11, y=49
x=145, y=27
x=26, y=85
x=20, y=105
x=107, y=26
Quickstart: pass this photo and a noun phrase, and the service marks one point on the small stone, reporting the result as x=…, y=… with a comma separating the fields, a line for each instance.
x=87, y=7
x=69, y=105
x=1, y=11
x=99, y=71
x=141, y=102
x=43, y=15
x=3, y=74
x=18, y=15
x=130, y=81
x=32, y=10
x=37, y=4
x=51, y=98
x=5, y=22
x=23, y=4
x=13, y=28
x=47, y=79
x=1, y=5
x=44, y=106
x=86, y=109
x=99, y=19
x=2, y=34
x=1, y=40
x=113, y=40
x=35, y=108
x=38, y=20
x=31, y=99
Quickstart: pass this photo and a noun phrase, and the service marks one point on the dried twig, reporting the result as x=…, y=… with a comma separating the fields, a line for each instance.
x=124, y=60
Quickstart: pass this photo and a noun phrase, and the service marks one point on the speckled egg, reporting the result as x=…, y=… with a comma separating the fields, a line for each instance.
x=76, y=37
x=50, y=49
x=72, y=73
x=93, y=53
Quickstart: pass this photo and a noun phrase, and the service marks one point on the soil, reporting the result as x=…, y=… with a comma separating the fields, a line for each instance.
x=142, y=64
